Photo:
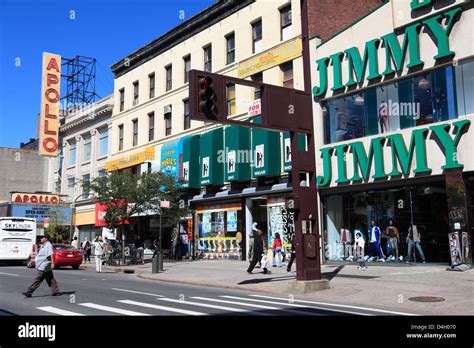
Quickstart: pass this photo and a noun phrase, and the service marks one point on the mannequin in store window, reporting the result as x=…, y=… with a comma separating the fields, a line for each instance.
x=413, y=240
x=393, y=239
x=346, y=241
x=374, y=239
x=383, y=117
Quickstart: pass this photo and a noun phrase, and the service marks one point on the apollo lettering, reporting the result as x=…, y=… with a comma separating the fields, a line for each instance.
x=35, y=198
x=401, y=156
x=395, y=55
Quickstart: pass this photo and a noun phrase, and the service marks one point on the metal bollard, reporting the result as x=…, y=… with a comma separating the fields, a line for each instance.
x=155, y=264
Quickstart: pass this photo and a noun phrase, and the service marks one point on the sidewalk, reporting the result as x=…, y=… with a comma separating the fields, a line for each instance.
x=383, y=287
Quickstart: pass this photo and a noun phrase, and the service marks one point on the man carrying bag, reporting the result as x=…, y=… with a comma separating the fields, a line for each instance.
x=44, y=265
x=257, y=253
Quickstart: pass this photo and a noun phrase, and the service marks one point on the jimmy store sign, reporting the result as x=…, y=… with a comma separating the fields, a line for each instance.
x=420, y=151
x=422, y=44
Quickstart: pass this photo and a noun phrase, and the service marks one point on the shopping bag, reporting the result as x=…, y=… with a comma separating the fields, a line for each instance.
x=264, y=261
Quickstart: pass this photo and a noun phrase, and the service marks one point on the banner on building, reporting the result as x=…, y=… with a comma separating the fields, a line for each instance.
x=50, y=105
x=42, y=212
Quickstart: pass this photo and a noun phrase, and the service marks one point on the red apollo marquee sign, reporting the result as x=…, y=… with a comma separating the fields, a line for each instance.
x=50, y=105
x=35, y=198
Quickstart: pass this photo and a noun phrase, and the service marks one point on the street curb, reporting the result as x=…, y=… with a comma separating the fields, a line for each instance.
x=213, y=285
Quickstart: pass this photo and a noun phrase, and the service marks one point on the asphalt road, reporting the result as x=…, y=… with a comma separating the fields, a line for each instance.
x=85, y=292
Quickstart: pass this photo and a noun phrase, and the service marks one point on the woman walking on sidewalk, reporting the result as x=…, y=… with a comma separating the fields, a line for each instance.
x=277, y=249
x=98, y=252
x=257, y=252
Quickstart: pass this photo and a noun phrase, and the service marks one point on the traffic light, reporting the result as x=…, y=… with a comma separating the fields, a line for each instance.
x=207, y=97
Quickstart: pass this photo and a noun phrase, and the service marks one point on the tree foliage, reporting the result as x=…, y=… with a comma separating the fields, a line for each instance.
x=125, y=195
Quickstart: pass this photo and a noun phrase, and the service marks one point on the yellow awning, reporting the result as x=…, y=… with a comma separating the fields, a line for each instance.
x=132, y=160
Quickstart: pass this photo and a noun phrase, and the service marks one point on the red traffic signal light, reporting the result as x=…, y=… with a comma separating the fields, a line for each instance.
x=207, y=96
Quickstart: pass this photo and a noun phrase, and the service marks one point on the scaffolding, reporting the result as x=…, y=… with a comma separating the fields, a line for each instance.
x=79, y=73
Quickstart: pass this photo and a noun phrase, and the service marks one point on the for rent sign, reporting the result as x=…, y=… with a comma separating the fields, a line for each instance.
x=50, y=97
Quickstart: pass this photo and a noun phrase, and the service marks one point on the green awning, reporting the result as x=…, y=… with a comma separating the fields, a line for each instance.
x=211, y=148
x=190, y=171
x=266, y=152
x=238, y=153
x=287, y=149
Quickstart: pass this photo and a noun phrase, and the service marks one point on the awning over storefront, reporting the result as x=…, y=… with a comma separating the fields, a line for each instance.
x=238, y=153
x=287, y=149
x=237, y=194
x=266, y=152
x=129, y=161
x=190, y=172
x=210, y=151
x=172, y=157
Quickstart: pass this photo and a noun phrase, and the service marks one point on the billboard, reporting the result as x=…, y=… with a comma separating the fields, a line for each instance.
x=40, y=212
x=50, y=104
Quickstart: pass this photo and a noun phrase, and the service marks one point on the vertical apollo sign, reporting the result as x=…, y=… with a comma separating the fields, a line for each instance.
x=50, y=98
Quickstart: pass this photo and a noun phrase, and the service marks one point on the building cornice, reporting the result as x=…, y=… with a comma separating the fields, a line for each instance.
x=199, y=22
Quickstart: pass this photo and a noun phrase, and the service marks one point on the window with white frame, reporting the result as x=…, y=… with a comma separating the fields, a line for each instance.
x=208, y=58
x=104, y=142
x=285, y=23
x=85, y=182
x=257, y=36
x=71, y=190
x=72, y=154
x=135, y=93
x=86, y=149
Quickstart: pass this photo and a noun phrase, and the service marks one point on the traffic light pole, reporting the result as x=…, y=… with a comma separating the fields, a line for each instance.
x=282, y=109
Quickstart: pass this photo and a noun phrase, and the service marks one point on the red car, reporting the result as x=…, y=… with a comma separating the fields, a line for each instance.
x=64, y=255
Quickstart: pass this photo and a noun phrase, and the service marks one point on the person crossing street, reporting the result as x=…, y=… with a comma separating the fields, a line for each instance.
x=44, y=262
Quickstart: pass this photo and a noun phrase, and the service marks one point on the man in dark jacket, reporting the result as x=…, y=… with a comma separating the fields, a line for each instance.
x=293, y=255
x=257, y=252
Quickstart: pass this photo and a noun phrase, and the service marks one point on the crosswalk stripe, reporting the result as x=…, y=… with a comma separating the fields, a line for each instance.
x=335, y=305
x=235, y=302
x=137, y=292
x=230, y=309
x=163, y=308
x=58, y=311
x=111, y=309
x=277, y=303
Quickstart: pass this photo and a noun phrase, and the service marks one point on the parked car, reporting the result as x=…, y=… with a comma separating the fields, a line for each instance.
x=63, y=255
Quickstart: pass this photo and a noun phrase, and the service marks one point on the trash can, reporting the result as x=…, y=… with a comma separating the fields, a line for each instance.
x=157, y=263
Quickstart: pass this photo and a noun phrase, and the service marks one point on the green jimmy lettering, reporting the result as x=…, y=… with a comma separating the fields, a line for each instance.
x=448, y=145
x=363, y=161
x=401, y=156
x=405, y=157
x=395, y=54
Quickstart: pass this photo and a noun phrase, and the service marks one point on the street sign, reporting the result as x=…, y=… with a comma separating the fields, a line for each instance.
x=46, y=222
x=164, y=204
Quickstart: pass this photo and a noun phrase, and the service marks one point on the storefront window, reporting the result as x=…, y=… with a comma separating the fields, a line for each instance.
x=220, y=231
x=422, y=206
x=423, y=99
x=464, y=74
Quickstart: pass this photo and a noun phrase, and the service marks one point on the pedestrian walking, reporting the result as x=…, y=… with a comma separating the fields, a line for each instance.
x=98, y=252
x=359, y=245
x=156, y=246
x=178, y=248
x=86, y=250
x=277, y=245
x=44, y=263
x=75, y=243
x=292, y=257
x=140, y=251
x=257, y=252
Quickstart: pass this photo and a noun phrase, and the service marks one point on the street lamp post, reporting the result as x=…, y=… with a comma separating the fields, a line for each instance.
x=73, y=208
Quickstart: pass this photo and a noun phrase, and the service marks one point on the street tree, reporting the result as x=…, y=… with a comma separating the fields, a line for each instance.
x=125, y=195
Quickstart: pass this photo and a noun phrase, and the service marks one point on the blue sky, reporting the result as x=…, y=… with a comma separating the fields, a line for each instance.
x=107, y=30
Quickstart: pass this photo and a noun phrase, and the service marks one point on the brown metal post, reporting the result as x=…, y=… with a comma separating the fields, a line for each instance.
x=307, y=248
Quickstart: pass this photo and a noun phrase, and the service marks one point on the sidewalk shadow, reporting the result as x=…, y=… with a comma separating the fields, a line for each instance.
x=332, y=274
x=265, y=280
